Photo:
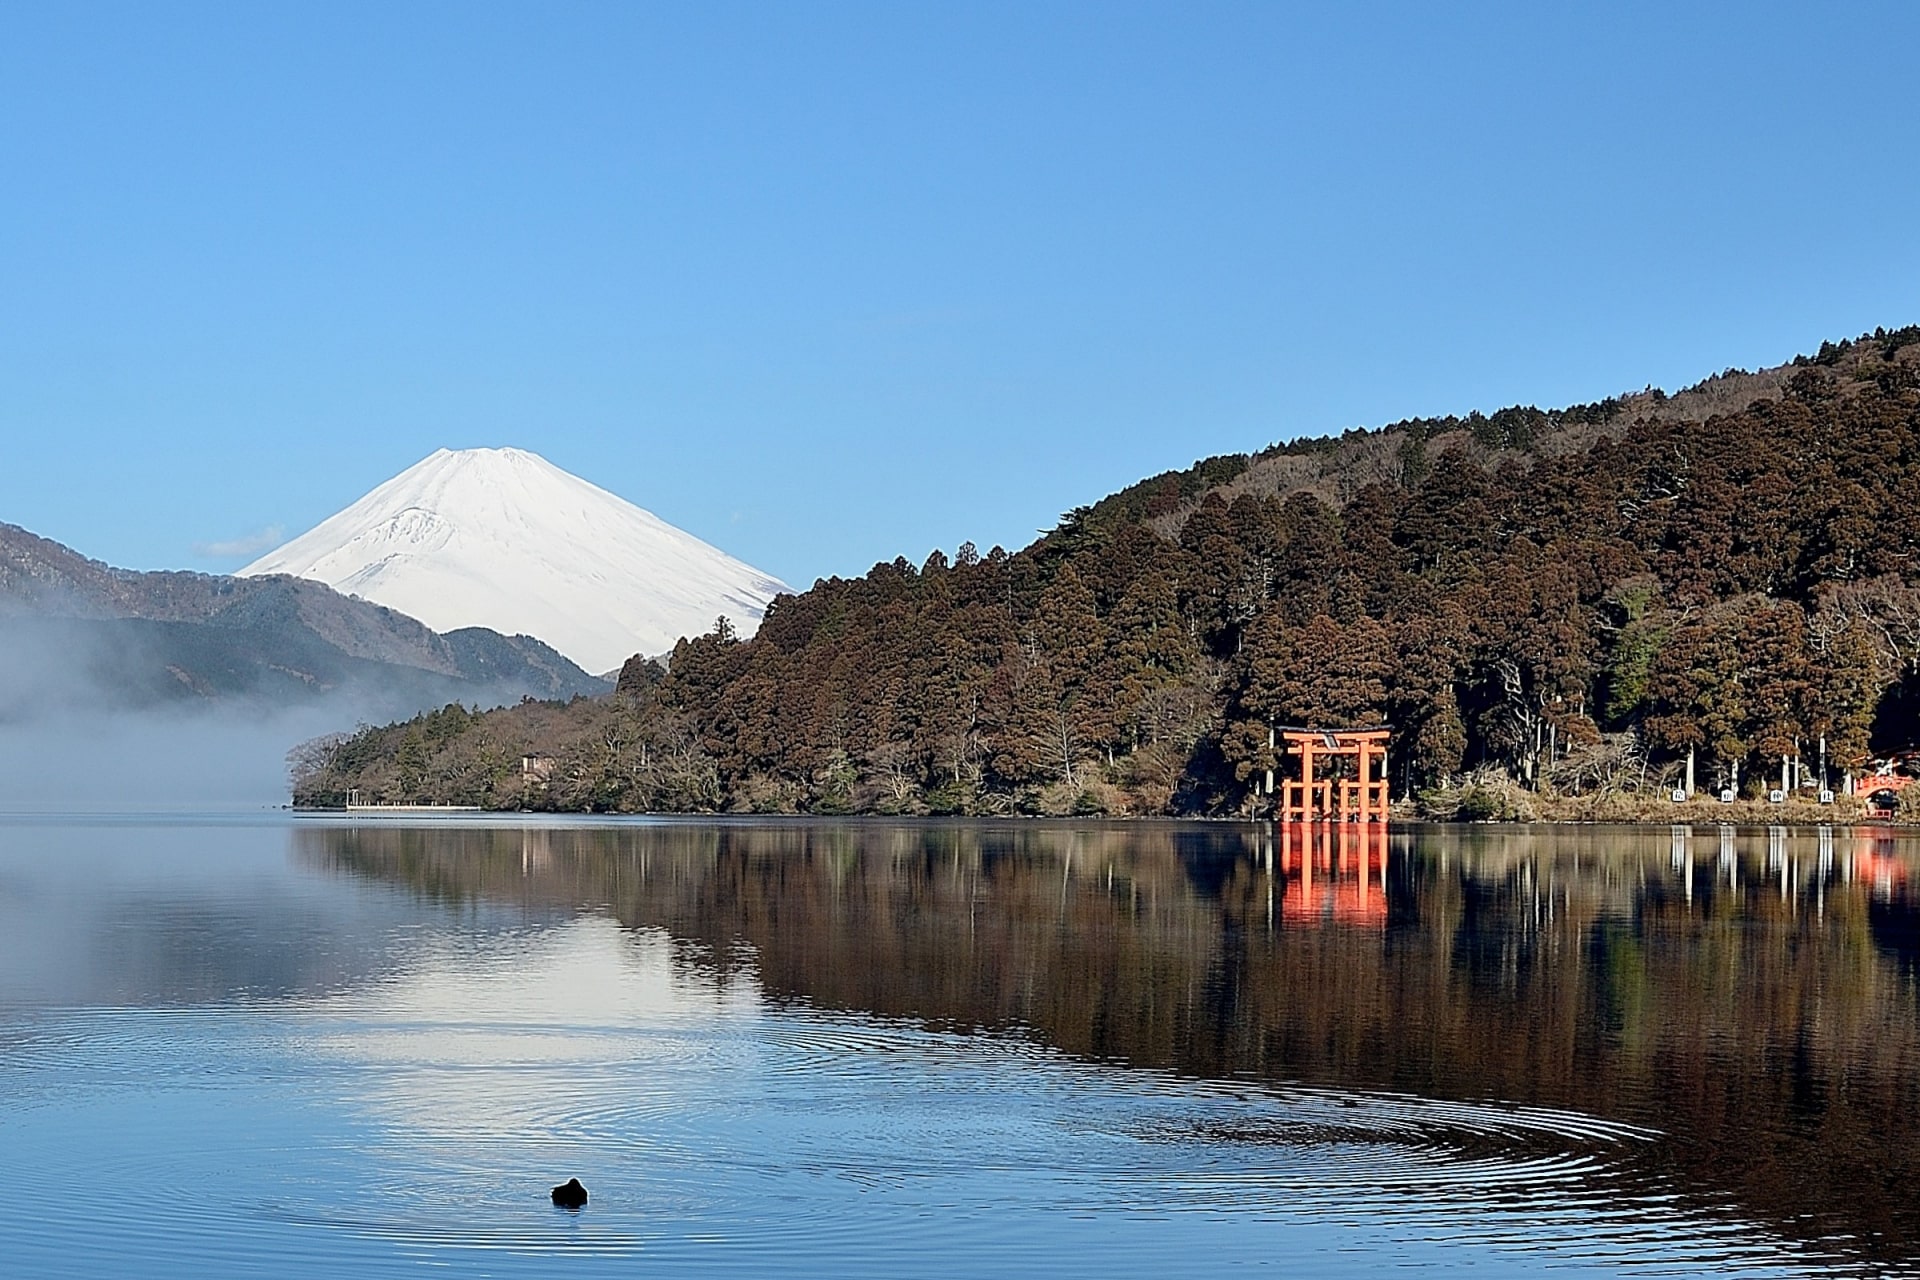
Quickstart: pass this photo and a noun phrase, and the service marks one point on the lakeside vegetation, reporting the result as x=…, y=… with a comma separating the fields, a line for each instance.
x=1553, y=607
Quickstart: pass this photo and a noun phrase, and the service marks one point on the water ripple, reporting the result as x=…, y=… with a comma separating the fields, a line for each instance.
x=780, y=1139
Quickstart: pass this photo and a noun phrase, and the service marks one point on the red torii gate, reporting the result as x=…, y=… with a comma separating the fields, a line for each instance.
x=1309, y=798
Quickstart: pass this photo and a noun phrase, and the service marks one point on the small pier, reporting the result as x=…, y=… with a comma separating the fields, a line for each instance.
x=413, y=808
x=356, y=805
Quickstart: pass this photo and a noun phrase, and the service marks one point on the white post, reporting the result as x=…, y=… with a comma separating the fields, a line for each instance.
x=1689, y=773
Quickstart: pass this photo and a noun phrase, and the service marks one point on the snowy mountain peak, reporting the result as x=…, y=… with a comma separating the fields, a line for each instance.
x=502, y=538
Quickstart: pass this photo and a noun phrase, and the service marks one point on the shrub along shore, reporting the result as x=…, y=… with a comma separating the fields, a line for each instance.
x=1497, y=799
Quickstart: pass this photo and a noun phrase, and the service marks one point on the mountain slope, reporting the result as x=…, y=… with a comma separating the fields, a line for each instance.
x=80, y=630
x=502, y=538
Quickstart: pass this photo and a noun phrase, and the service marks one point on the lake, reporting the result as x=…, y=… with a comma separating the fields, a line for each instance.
x=305, y=1047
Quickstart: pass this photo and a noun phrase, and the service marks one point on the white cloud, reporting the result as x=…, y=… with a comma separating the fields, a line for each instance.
x=251, y=544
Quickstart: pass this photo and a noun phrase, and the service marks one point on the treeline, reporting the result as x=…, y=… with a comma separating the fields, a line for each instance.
x=1740, y=586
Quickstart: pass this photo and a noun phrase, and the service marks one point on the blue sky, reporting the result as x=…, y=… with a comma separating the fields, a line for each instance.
x=829, y=283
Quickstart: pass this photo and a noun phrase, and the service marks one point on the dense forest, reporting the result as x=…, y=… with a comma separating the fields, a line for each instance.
x=1565, y=602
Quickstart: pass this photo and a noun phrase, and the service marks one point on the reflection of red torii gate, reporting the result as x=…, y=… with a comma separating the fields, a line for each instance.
x=1348, y=889
x=1361, y=798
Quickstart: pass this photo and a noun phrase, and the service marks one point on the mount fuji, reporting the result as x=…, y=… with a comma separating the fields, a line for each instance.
x=502, y=538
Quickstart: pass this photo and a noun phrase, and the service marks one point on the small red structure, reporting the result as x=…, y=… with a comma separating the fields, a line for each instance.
x=1882, y=790
x=1312, y=798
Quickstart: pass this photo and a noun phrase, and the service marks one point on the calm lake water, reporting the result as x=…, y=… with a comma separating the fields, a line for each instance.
x=302, y=1048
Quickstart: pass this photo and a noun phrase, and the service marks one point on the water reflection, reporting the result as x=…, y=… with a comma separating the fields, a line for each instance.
x=923, y=1048
x=1747, y=995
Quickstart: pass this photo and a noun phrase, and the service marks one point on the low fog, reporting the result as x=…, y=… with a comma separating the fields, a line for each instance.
x=145, y=761
x=93, y=720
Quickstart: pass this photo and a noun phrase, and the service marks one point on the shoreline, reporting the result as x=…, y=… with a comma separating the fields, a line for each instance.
x=1554, y=811
x=1619, y=809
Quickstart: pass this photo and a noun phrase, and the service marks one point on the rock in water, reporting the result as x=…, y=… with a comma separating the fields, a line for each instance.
x=570, y=1194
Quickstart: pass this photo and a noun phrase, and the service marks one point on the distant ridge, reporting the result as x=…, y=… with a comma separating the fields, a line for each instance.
x=127, y=638
x=502, y=538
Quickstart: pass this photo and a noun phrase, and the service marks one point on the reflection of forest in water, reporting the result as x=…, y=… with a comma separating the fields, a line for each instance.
x=1751, y=994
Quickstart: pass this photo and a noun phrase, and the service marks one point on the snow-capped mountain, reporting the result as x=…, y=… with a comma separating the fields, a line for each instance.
x=502, y=538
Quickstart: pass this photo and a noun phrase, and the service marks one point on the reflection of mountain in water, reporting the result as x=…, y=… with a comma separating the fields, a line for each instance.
x=1751, y=995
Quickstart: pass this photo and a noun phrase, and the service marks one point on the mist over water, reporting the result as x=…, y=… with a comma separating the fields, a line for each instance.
x=86, y=726
x=150, y=761
x=95, y=719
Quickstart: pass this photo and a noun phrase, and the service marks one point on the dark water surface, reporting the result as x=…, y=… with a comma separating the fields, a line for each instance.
x=874, y=1049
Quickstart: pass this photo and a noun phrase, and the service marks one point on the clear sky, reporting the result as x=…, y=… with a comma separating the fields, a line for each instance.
x=828, y=283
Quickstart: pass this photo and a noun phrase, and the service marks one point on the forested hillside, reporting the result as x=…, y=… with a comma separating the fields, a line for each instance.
x=1574, y=598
